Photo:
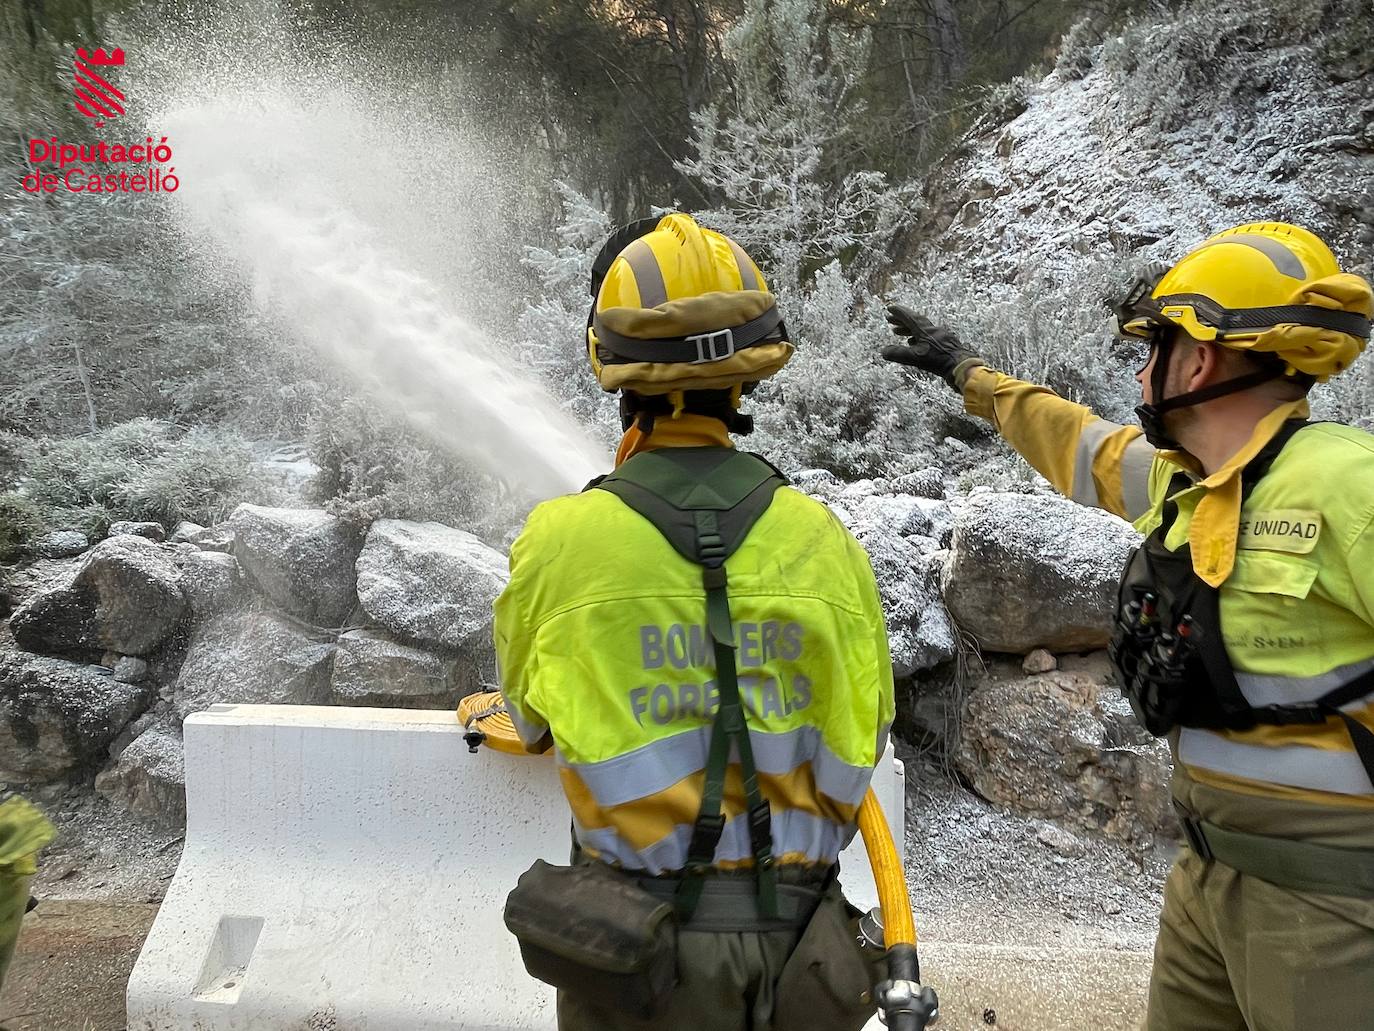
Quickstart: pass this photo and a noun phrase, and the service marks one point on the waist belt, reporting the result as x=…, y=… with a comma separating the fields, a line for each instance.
x=731, y=904
x=1299, y=865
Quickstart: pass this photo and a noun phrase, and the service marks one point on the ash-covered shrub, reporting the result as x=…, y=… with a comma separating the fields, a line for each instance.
x=20, y=522
x=374, y=466
x=141, y=470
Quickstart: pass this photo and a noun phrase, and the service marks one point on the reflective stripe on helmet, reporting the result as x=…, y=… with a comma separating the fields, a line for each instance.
x=1287, y=263
x=747, y=279
x=648, y=276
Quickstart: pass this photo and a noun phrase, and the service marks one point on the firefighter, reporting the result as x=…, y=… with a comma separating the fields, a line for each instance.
x=704, y=648
x=24, y=832
x=1245, y=625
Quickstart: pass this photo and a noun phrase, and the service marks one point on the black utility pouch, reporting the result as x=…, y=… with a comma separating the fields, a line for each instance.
x=595, y=934
x=828, y=980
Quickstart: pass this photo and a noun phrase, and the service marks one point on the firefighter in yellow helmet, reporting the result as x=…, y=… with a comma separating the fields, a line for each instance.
x=704, y=648
x=24, y=832
x=1245, y=627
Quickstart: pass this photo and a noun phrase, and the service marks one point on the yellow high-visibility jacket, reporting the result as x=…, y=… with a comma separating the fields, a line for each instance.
x=24, y=832
x=602, y=647
x=1295, y=568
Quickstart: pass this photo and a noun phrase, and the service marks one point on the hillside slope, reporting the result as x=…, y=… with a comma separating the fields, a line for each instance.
x=1136, y=147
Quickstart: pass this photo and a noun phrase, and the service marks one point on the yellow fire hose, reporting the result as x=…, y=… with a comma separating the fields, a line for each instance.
x=905, y=1004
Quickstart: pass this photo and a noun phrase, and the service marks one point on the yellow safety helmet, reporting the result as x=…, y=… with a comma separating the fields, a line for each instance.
x=676, y=308
x=1265, y=287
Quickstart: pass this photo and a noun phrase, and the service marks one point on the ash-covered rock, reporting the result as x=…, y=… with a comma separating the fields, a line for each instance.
x=61, y=544
x=919, y=634
x=923, y=483
x=1056, y=745
x=57, y=716
x=123, y=597
x=302, y=559
x=430, y=583
x=152, y=531
x=1033, y=571
x=149, y=774
x=254, y=657
x=372, y=668
x=211, y=581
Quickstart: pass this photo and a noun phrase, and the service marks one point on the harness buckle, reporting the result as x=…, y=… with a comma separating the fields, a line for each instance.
x=1192, y=830
x=707, y=349
x=1287, y=715
x=706, y=834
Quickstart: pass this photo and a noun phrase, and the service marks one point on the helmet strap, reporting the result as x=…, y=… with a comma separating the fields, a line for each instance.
x=1152, y=415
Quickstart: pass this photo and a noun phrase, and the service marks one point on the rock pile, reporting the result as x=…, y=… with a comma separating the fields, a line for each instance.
x=108, y=648
x=106, y=652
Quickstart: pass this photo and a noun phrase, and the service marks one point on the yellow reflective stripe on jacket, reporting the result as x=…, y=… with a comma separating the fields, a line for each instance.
x=600, y=637
x=1090, y=460
x=1293, y=619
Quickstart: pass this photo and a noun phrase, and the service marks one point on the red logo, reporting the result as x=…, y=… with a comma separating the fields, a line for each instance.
x=95, y=97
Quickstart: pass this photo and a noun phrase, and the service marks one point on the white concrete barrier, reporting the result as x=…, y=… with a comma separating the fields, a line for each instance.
x=346, y=868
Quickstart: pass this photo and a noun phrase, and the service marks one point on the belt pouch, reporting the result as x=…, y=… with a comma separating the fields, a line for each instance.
x=828, y=980
x=595, y=934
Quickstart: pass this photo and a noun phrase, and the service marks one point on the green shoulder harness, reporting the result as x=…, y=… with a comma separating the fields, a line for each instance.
x=705, y=501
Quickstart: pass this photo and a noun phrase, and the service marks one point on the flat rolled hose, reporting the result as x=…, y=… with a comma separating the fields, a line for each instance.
x=485, y=721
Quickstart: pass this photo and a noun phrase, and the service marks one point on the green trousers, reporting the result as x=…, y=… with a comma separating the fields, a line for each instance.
x=726, y=983
x=1236, y=953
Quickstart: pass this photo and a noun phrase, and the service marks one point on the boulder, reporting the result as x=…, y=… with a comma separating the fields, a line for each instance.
x=1039, y=661
x=1033, y=571
x=185, y=532
x=152, y=531
x=211, y=538
x=372, y=668
x=432, y=584
x=57, y=717
x=61, y=544
x=20, y=584
x=250, y=656
x=124, y=597
x=1062, y=745
x=149, y=775
x=130, y=670
x=923, y=483
x=919, y=633
x=211, y=581
x=302, y=559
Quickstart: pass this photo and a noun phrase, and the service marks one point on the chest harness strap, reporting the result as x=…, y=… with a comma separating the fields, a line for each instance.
x=705, y=501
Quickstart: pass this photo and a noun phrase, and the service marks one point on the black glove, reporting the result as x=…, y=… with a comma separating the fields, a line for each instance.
x=932, y=348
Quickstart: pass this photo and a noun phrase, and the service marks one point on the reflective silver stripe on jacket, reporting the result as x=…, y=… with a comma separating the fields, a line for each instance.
x=1090, y=439
x=659, y=765
x=1295, y=766
x=1274, y=690
x=1136, y=462
x=530, y=733
x=794, y=831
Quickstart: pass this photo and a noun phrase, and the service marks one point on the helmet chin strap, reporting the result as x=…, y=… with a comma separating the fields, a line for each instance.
x=1151, y=416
